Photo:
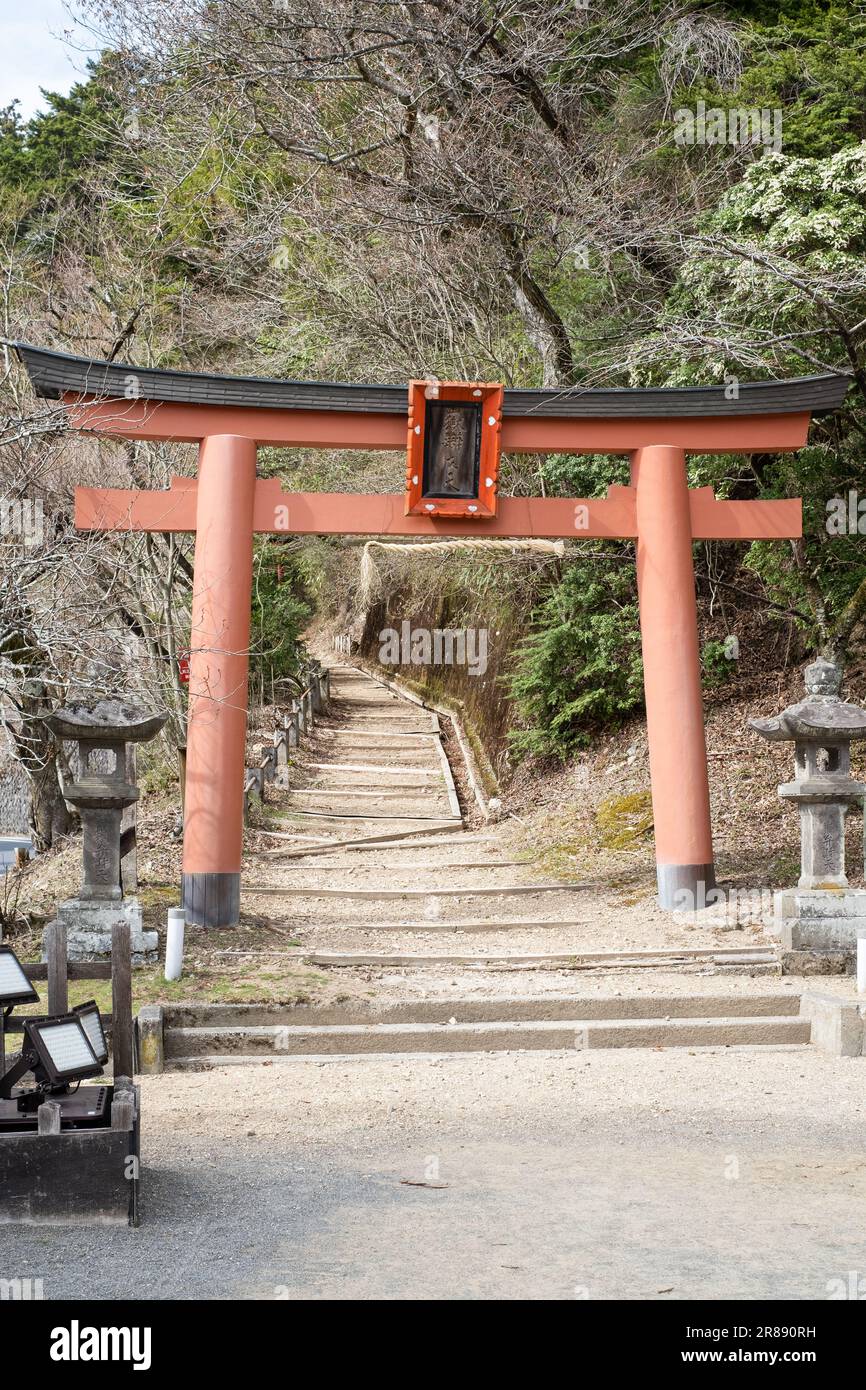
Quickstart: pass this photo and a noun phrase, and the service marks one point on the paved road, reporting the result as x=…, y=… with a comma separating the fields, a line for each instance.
x=641, y=1175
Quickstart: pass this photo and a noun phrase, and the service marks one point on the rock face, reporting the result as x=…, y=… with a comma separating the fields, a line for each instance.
x=102, y=793
x=824, y=914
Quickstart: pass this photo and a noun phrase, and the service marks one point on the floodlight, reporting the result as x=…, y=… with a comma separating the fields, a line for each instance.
x=57, y=1051
x=91, y=1021
x=15, y=987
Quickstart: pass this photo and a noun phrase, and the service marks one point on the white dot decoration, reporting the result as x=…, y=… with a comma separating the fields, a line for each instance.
x=429, y=507
x=491, y=419
x=414, y=479
x=488, y=482
x=417, y=429
x=472, y=507
x=476, y=392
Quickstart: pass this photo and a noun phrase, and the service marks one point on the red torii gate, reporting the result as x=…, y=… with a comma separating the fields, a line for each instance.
x=230, y=417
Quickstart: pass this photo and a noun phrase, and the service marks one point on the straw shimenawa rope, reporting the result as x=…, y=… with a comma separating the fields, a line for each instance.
x=370, y=580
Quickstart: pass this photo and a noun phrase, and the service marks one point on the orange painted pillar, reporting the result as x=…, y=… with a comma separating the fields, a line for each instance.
x=672, y=678
x=218, y=672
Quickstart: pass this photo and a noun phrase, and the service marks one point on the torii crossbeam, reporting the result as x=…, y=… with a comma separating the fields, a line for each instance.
x=229, y=417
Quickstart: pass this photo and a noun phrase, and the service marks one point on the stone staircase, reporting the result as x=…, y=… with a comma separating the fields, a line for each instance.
x=371, y=873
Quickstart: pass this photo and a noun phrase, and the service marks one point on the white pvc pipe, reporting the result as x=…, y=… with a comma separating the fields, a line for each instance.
x=174, y=943
x=861, y=964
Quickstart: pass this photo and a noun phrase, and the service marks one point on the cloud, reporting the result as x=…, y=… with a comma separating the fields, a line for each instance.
x=35, y=53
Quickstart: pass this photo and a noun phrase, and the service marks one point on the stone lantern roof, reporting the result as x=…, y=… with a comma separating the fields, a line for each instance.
x=112, y=720
x=821, y=717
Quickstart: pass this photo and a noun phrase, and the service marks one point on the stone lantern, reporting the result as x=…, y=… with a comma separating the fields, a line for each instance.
x=101, y=794
x=823, y=913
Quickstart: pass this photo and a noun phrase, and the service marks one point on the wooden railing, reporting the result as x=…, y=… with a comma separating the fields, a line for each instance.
x=298, y=721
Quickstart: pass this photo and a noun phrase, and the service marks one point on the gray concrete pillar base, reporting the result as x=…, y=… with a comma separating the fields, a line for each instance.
x=212, y=900
x=686, y=887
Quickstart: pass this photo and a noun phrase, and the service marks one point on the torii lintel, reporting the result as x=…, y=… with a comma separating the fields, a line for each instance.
x=343, y=513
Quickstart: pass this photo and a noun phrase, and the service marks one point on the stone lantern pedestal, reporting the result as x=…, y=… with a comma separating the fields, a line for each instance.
x=101, y=794
x=822, y=913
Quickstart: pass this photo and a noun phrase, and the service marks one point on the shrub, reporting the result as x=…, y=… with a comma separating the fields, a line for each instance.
x=580, y=668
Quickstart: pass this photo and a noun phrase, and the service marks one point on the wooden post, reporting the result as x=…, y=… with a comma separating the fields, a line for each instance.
x=48, y=1117
x=58, y=970
x=181, y=765
x=123, y=1110
x=121, y=1001
x=315, y=693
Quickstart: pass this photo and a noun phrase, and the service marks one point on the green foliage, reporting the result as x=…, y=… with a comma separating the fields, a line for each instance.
x=810, y=64
x=716, y=664
x=55, y=148
x=580, y=667
x=783, y=260
x=280, y=611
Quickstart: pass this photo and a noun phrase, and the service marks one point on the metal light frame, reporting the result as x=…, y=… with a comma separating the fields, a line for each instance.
x=36, y=1057
x=28, y=996
x=91, y=1007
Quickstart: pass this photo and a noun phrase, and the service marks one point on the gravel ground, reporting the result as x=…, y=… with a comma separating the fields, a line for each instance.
x=639, y=1174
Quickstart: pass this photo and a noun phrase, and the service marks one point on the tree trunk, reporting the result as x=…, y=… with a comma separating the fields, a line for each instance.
x=50, y=817
x=41, y=757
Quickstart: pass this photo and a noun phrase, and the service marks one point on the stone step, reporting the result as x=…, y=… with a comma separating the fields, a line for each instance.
x=393, y=759
x=384, y=822
x=511, y=890
x=377, y=768
x=373, y=793
x=386, y=781
x=362, y=798
x=537, y=1008
x=428, y=866
x=474, y=926
x=519, y=960
x=413, y=838
x=343, y=737
x=209, y=1046
x=396, y=714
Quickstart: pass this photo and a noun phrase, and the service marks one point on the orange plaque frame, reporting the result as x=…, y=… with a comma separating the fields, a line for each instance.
x=489, y=395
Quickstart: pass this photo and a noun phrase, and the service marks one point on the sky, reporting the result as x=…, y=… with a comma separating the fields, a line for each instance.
x=33, y=52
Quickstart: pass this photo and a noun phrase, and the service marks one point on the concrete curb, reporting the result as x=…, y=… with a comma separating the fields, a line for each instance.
x=572, y=1034
x=838, y=1026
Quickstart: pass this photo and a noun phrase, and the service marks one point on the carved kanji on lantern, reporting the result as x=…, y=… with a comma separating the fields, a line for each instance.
x=452, y=459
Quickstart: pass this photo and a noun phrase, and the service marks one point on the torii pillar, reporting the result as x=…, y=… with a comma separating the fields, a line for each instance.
x=672, y=677
x=218, y=679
